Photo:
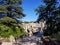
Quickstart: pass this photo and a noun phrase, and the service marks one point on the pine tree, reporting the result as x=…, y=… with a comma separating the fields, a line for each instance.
x=50, y=12
x=10, y=11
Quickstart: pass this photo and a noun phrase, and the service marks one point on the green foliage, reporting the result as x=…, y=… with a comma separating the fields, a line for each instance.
x=13, y=1
x=6, y=31
x=7, y=20
x=11, y=11
x=56, y=36
x=50, y=12
x=11, y=8
x=18, y=32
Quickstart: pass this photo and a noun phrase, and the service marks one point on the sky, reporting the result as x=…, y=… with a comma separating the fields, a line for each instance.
x=29, y=7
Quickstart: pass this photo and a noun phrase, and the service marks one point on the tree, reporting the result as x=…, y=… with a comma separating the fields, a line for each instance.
x=50, y=12
x=10, y=11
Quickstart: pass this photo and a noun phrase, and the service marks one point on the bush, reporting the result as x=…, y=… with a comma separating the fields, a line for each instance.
x=6, y=31
x=57, y=36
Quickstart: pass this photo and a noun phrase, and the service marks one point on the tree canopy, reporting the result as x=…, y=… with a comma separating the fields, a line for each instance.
x=50, y=12
x=10, y=12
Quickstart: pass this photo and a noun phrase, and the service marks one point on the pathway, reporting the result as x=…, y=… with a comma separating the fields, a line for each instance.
x=33, y=40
